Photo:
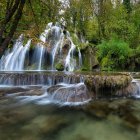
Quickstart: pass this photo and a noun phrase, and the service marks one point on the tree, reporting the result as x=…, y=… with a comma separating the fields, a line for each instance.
x=13, y=14
x=77, y=15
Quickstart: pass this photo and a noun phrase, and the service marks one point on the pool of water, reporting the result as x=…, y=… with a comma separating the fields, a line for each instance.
x=98, y=120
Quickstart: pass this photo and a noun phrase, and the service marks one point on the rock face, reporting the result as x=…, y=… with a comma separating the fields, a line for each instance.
x=90, y=61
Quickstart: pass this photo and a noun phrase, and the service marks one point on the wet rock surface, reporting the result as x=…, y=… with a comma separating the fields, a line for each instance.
x=10, y=90
x=69, y=93
x=109, y=85
x=25, y=91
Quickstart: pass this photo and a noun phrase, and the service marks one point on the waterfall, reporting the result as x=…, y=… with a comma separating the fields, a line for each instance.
x=14, y=60
x=55, y=47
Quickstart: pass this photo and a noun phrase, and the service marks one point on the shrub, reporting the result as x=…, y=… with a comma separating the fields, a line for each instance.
x=113, y=53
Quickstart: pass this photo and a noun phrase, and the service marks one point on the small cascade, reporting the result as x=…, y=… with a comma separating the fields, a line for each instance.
x=69, y=93
x=136, y=83
x=70, y=62
x=80, y=58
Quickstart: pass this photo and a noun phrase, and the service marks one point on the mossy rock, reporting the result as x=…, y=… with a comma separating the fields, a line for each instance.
x=59, y=66
x=108, y=80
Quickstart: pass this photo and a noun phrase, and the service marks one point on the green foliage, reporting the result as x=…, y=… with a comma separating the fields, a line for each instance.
x=116, y=22
x=135, y=18
x=77, y=15
x=113, y=53
x=91, y=30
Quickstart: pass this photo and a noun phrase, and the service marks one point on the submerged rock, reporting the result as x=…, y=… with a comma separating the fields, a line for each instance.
x=122, y=108
x=45, y=124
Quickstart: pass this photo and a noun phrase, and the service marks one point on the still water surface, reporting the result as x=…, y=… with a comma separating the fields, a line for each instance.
x=100, y=120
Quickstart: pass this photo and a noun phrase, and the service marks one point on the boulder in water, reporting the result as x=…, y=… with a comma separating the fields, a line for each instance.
x=69, y=93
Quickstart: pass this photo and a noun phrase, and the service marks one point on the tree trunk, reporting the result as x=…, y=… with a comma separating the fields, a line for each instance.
x=10, y=11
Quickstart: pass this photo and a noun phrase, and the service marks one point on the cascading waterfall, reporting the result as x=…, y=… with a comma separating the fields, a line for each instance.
x=55, y=46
